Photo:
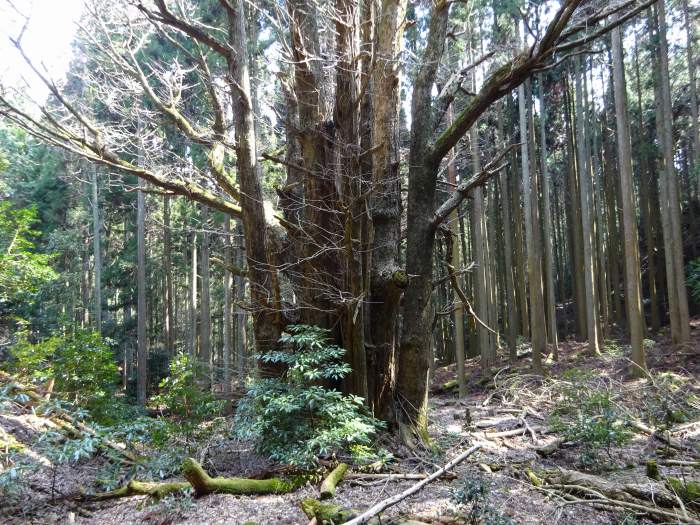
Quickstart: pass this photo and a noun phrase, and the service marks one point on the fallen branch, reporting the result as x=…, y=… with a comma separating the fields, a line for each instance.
x=392, y=477
x=141, y=488
x=204, y=484
x=335, y=477
x=667, y=440
x=516, y=432
x=385, y=504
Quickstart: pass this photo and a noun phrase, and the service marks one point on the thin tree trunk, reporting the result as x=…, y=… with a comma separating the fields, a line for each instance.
x=480, y=258
x=458, y=314
x=694, y=157
x=633, y=300
x=205, y=355
x=547, y=225
x=168, y=320
x=509, y=289
x=645, y=187
x=586, y=222
x=678, y=300
x=241, y=341
x=141, y=311
x=192, y=329
x=97, y=253
x=575, y=225
x=538, y=331
x=228, y=310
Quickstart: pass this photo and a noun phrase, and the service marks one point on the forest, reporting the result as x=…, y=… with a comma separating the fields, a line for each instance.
x=351, y=262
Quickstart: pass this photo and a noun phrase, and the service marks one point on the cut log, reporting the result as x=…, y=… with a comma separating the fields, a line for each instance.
x=335, y=477
x=204, y=484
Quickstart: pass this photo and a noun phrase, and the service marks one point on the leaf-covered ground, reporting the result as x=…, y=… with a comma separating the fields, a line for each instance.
x=543, y=440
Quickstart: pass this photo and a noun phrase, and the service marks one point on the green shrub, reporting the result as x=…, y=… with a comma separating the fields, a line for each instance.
x=294, y=419
x=668, y=400
x=474, y=495
x=587, y=414
x=181, y=393
x=82, y=365
x=692, y=273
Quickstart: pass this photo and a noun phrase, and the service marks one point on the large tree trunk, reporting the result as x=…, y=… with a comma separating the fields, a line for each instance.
x=633, y=301
x=266, y=317
x=412, y=381
x=387, y=280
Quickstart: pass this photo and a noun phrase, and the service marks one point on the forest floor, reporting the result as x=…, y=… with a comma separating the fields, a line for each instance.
x=513, y=478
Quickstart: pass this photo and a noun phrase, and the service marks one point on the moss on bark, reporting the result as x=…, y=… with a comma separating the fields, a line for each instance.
x=329, y=484
x=204, y=484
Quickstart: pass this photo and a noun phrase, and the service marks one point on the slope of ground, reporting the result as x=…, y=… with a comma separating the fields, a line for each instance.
x=524, y=425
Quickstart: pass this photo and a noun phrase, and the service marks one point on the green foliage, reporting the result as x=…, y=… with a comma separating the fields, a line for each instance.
x=294, y=419
x=22, y=271
x=82, y=365
x=692, y=273
x=668, y=400
x=475, y=494
x=181, y=394
x=15, y=467
x=614, y=348
x=587, y=414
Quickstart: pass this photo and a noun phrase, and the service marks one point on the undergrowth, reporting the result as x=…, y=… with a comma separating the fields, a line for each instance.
x=297, y=418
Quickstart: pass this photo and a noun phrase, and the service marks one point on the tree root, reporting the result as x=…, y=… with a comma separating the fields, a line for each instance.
x=335, y=477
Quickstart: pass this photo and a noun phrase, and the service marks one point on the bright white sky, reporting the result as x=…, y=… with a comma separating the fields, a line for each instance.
x=47, y=40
